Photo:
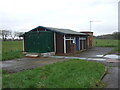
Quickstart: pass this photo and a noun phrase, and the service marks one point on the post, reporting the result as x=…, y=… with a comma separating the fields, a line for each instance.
x=23, y=45
x=54, y=42
x=79, y=43
x=64, y=45
x=90, y=26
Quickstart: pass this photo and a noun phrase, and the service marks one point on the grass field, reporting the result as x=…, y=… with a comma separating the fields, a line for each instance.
x=68, y=74
x=107, y=43
x=11, y=49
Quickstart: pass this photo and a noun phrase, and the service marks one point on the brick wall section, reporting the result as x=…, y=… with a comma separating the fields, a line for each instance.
x=89, y=39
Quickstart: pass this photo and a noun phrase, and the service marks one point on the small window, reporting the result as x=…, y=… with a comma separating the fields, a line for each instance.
x=72, y=37
x=67, y=37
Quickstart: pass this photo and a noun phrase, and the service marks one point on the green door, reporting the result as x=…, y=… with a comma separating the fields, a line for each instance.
x=38, y=42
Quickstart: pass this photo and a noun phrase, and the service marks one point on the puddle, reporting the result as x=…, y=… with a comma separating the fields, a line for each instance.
x=112, y=56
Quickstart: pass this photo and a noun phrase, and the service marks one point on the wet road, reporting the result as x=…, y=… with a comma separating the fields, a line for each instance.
x=21, y=64
x=111, y=79
x=93, y=52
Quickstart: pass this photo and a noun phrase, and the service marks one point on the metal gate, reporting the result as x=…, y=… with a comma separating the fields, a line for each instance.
x=38, y=42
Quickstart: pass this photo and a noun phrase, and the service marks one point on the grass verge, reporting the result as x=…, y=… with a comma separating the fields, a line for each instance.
x=67, y=74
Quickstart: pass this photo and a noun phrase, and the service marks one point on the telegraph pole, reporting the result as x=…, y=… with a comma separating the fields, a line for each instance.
x=91, y=24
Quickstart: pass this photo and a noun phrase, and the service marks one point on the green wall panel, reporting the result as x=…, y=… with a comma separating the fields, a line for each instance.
x=40, y=42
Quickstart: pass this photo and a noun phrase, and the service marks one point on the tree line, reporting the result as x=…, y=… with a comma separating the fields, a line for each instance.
x=114, y=35
x=10, y=35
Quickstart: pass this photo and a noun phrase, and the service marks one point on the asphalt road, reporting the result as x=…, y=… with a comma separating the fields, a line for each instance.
x=94, y=51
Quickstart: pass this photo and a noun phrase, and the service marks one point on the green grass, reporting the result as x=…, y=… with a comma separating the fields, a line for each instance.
x=11, y=50
x=68, y=74
x=117, y=49
x=107, y=43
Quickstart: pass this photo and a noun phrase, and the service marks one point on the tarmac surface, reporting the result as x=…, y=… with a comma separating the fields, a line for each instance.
x=21, y=64
x=110, y=79
x=93, y=52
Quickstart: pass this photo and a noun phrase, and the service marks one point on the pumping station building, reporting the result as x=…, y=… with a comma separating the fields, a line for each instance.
x=58, y=41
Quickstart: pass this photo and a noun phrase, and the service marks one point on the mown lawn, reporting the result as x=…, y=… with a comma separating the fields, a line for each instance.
x=11, y=50
x=67, y=74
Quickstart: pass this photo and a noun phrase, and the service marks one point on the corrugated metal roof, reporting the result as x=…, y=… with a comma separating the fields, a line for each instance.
x=64, y=31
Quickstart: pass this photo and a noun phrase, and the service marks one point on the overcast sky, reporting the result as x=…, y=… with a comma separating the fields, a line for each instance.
x=24, y=15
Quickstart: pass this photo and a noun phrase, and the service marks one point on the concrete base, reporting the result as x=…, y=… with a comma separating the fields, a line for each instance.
x=32, y=55
x=47, y=54
x=39, y=54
